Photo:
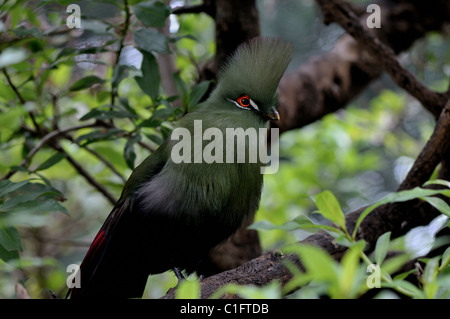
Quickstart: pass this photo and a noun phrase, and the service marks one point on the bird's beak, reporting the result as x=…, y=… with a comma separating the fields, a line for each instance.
x=272, y=116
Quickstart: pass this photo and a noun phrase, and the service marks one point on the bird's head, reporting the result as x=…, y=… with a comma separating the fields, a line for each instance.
x=249, y=79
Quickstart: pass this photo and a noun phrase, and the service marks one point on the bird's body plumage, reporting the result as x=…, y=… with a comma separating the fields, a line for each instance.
x=171, y=214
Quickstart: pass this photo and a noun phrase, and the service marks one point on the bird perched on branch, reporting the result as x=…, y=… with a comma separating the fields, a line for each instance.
x=176, y=207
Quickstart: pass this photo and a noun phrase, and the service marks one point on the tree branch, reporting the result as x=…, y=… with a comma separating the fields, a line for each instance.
x=21, y=99
x=100, y=157
x=44, y=141
x=341, y=12
x=123, y=34
x=432, y=154
x=89, y=178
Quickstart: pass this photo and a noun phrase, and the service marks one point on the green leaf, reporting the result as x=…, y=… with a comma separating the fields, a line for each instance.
x=188, y=289
x=85, y=83
x=197, y=93
x=165, y=112
x=25, y=211
x=7, y=255
x=317, y=262
x=6, y=186
x=150, y=80
x=181, y=89
x=445, y=259
x=121, y=71
x=266, y=225
x=155, y=138
x=151, y=40
x=409, y=287
x=150, y=123
x=382, y=247
x=10, y=238
x=54, y=159
x=269, y=291
x=405, y=274
x=439, y=204
x=32, y=198
x=11, y=118
x=393, y=264
x=107, y=112
x=301, y=222
x=402, y=196
x=99, y=135
x=349, y=279
x=438, y=182
x=431, y=270
x=329, y=207
x=129, y=154
x=152, y=13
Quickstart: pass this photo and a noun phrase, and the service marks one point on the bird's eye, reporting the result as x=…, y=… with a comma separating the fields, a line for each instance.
x=244, y=101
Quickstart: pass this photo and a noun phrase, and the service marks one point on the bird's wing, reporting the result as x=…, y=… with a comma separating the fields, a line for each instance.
x=150, y=167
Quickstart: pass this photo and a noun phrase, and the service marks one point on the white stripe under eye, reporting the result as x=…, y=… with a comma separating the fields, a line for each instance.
x=254, y=105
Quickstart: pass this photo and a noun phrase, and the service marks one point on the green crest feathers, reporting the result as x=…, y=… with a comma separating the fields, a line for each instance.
x=256, y=68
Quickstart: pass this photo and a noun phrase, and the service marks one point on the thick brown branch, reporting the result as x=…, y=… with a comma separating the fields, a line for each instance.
x=341, y=12
x=237, y=21
x=434, y=152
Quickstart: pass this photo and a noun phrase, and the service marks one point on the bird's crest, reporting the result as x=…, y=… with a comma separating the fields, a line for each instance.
x=256, y=68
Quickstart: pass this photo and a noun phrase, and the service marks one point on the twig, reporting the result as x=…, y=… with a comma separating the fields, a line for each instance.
x=341, y=12
x=79, y=168
x=105, y=161
x=21, y=99
x=13, y=87
x=99, y=157
x=146, y=146
x=140, y=143
x=123, y=34
x=43, y=141
x=55, y=112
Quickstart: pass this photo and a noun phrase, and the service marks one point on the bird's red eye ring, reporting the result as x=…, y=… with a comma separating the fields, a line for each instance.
x=243, y=101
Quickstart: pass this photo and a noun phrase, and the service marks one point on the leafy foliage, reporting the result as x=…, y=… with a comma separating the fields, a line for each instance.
x=324, y=276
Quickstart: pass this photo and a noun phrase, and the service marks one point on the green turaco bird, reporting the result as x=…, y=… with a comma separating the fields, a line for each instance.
x=172, y=212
